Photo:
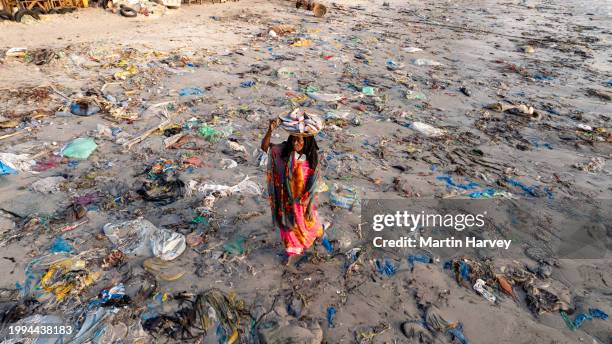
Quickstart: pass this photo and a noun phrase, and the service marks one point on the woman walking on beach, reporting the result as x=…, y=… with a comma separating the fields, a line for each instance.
x=292, y=177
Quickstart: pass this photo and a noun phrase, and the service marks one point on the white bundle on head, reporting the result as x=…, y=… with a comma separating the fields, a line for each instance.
x=300, y=122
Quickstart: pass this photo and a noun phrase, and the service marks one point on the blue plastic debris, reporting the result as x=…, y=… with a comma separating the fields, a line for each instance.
x=31, y=279
x=331, y=313
x=464, y=269
x=386, y=268
x=6, y=169
x=248, y=83
x=528, y=190
x=61, y=245
x=542, y=77
x=191, y=91
x=457, y=333
x=594, y=313
x=487, y=193
x=84, y=109
x=392, y=65
x=419, y=258
x=451, y=183
x=328, y=246
x=114, y=293
x=537, y=144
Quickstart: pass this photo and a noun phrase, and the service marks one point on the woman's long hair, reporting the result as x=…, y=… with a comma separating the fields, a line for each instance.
x=310, y=149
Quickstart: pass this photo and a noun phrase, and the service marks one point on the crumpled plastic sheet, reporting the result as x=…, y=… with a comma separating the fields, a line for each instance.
x=61, y=245
x=6, y=169
x=141, y=237
x=93, y=326
x=167, y=245
x=212, y=309
x=246, y=186
x=80, y=148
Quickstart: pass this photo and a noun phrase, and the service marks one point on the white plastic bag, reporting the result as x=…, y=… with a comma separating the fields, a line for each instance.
x=425, y=62
x=246, y=186
x=324, y=97
x=141, y=237
x=479, y=286
x=426, y=129
x=167, y=245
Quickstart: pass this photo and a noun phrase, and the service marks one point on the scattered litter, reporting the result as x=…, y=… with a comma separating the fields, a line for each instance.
x=344, y=197
x=595, y=165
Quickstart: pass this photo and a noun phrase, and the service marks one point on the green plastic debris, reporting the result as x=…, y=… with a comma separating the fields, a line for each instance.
x=311, y=88
x=368, y=90
x=80, y=148
x=414, y=95
x=209, y=133
x=285, y=73
x=235, y=247
x=200, y=219
x=568, y=321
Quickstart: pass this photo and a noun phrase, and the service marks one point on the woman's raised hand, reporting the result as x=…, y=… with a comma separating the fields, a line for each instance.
x=273, y=124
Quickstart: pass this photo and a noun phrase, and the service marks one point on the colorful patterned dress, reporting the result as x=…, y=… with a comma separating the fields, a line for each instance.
x=291, y=192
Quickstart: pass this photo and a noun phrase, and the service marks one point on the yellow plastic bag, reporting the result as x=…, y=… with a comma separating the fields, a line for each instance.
x=57, y=280
x=302, y=42
x=124, y=74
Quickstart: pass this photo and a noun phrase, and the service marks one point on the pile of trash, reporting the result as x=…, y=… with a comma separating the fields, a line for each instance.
x=134, y=8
